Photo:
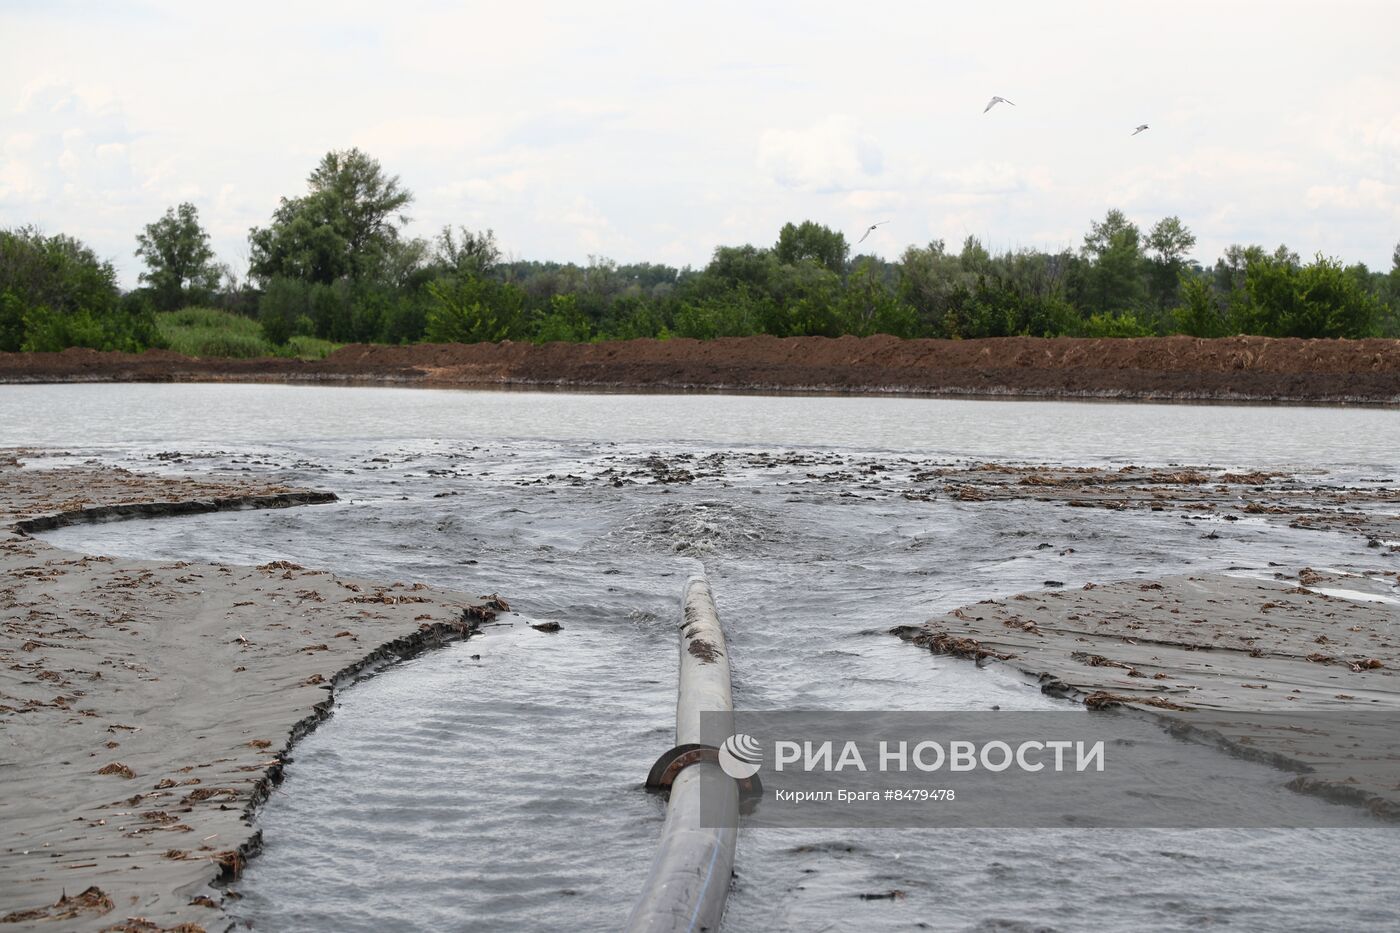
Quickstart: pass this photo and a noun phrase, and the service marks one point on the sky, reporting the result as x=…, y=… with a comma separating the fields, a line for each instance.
x=657, y=131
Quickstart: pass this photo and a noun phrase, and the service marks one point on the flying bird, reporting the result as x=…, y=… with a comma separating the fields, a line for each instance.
x=869, y=230
x=994, y=101
x=1140, y=129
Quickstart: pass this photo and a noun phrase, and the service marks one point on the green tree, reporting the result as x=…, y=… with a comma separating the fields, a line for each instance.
x=473, y=310
x=284, y=309
x=56, y=293
x=564, y=322
x=1317, y=300
x=812, y=241
x=1392, y=280
x=869, y=305
x=739, y=313
x=930, y=279
x=734, y=266
x=180, y=267
x=1170, y=243
x=467, y=253
x=1115, y=249
x=346, y=226
x=1200, y=314
x=1390, y=321
x=11, y=323
x=55, y=272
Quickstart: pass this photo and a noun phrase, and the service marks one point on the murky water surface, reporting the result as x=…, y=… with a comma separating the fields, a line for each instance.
x=494, y=785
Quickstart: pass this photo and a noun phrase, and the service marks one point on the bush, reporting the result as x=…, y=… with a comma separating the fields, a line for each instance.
x=332, y=311
x=58, y=273
x=564, y=322
x=283, y=304
x=1122, y=324
x=11, y=323
x=1200, y=316
x=55, y=293
x=309, y=348
x=405, y=318
x=1284, y=299
x=468, y=309
x=735, y=314
x=210, y=333
x=46, y=331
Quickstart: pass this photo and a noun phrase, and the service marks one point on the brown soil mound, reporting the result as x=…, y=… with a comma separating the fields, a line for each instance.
x=1232, y=368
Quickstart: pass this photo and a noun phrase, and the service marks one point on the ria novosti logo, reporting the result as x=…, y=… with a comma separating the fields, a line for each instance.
x=740, y=756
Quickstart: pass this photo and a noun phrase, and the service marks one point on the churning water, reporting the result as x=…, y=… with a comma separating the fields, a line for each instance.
x=495, y=784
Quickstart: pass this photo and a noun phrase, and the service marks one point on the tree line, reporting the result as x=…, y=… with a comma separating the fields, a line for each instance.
x=334, y=263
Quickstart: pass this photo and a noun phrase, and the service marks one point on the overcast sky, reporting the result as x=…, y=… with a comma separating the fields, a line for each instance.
x=654, y=131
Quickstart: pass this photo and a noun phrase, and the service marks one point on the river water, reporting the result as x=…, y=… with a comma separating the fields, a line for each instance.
x=495, y=784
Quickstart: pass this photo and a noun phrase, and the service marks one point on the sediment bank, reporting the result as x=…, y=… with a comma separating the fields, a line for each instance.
x=1148, y=368
x=146, y=707
x=1203, y=649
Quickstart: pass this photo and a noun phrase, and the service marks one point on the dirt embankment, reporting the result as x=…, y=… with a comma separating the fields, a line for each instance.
x=1232, y=368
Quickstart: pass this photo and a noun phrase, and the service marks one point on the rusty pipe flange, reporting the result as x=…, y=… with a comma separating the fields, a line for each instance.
x=677, y=759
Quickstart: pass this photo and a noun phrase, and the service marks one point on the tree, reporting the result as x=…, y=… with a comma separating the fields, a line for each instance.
x=1393, y=279
x=472, y=310
x=472, y=254
x=810, y=240
x=180, y=265
x=55, y=272
x=56, y=293
x=929, y=279
x=1286, y=299
x=1199, y=315
x=736, y=266
x=346, y=226
x=1170, y=242
x=1115, y=247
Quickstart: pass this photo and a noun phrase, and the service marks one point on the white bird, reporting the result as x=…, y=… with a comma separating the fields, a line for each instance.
x=994, y=101
x=869, y=230
x=1140, y=129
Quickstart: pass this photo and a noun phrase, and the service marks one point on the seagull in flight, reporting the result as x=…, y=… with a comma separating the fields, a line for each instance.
x=869, y=230
x=994, y=101
x=1140, y=129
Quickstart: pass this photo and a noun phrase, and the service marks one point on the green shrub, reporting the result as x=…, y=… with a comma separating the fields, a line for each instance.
x=55, y=293
x=1285, y=299
x=11, y=323
x=308, y=348
x=284, y=302
x=208, y=332
x=466, y=309
x=47, y=331
x=1123, y=324
x=1200, y=316
x=56, y=272
x=734, y=314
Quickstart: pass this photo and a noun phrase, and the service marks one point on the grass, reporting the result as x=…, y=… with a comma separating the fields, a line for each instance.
x=206, y=332
x=308, y=348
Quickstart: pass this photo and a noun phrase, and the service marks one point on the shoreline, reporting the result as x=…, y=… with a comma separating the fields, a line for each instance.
x=1189, y=649
x=132, y=794
x=1163, y=369
x=1216, y=658
x=667, y=388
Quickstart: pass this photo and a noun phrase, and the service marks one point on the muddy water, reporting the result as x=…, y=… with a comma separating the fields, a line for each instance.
x=494, y=785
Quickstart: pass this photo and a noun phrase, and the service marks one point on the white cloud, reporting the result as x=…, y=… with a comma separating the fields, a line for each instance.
x=657, y=132
x=833, y=154
x=1367, y=196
